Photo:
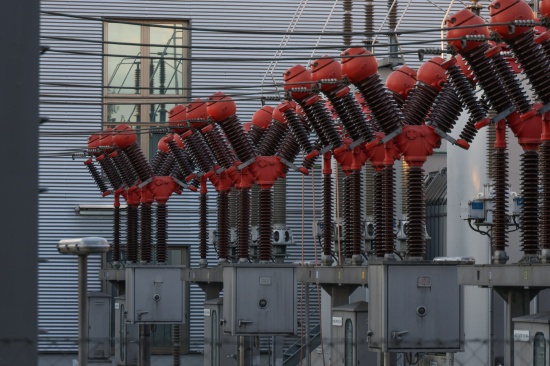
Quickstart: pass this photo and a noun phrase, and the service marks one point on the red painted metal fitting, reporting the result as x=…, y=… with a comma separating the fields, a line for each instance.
x=247, y=126
x=193, y=188
x=416, y=143
x=432, y=73
x=277, y=113
x=163, y=144
x=147, y=194
x=93, y=143
x=504, y=11
x=303, y=170
x=543, y=36
x=266, y=170
x=106, y=140
x=500, y=141
x=162, y=188
x=262, y=117
x=528, y=130
x=196, y=113
x=544, y=8
x=133, y=195
x=220, y=107
x=545, y=127
x=177, y=119
x=186, y=134
x=326, y=68
x=297, y=77
x=484, y=122
x=358, y=64
x=401, y=81
x=124, y=136
x=312, y=154
x=461, y=19
x=312, y=99
x=463, y=144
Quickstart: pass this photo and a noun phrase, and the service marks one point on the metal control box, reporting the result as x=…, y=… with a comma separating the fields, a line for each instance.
x=531, y=335
x=415, y=306
x=155, y=294
x=126, y=336
x=259, y=299
x=99, y=319
x=349, y=335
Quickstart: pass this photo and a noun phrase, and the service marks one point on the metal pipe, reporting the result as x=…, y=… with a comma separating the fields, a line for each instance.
x=144, y=345
x=308, y=349
x=83, y=313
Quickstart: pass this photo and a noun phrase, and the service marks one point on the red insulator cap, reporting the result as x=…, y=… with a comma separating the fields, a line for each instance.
x=326, y=68
x=504, y=11
x=358, y=64
x=401, y=81
x=278, y=112
x=297, y=77
x=220, y=107
x=106, y=139
x=246, y=126
x=93, y=141
x=177, y=119
x=463, y=144
x=544, y=8
x=262, y=117
x=124, y=136
x=163, y=144
x=196, y=113
x=465, y=18
x=178, y=140
x=432, y=73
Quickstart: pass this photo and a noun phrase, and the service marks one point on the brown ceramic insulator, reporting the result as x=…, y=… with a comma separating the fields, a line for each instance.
x=466, y=92
x=487, y=77
x=381, y=103
x=265, y=243
x=399, y=99
x=308, y=163
x=223, y=153
x=158, y=161
x=116, y=234
x=96, y=176
x=199, y=151
x=184, y=164
x=379, y=222
x=111, y=172
x=167, y=166
x=162, y=236
x=500, y=204
x=131, y=234
x=243, y=223
x=124, y=167
x=223, y=225
x=388, y=203
x=298, y=129
x=321, y=122
x=346, y=243
x=351, y=116
x=490, y=148
x=512, y=84
x=203, y=226
x=544, y=217
x=445, y=110
x=418, y=103
x=327, y=124
x=255, y=134
x=145, y=242
x=288, y=150
x=355, y=213
x=416, y=240
x=546, y=47
x=534, y=63
x=238, y=138
x=139, y=162
x=327, y=215
x=275, y=134
x=530, y=210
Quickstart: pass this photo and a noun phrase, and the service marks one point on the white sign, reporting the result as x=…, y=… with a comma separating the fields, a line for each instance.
x=521, y=335
x=117, y=306
x=206, y=312
x=337, y=321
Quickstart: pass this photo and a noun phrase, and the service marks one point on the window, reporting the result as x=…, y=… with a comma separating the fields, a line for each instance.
x=348, y=343
x=146, y=73
x=539, y=350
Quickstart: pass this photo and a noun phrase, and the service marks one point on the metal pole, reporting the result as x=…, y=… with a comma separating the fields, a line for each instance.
x=308, y=350
x=144, y=345
x=83, y=312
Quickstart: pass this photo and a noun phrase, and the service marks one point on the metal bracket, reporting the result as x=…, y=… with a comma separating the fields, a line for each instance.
x=325, y=149
x=244, y=322
x=356, y=143
x=391, y=135
x=245, y=164
x=505, y=113
x=143, y=184
x=545, y=108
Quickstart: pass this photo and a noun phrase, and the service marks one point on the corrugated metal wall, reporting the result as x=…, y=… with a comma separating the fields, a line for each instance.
x=76, y=111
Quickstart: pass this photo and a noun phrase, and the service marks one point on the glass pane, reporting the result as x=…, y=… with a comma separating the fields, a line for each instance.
x=166, y=68
x=214, y=341
x=123, y=70
x=123, y=113
x=348, y=339
x=539, y=350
